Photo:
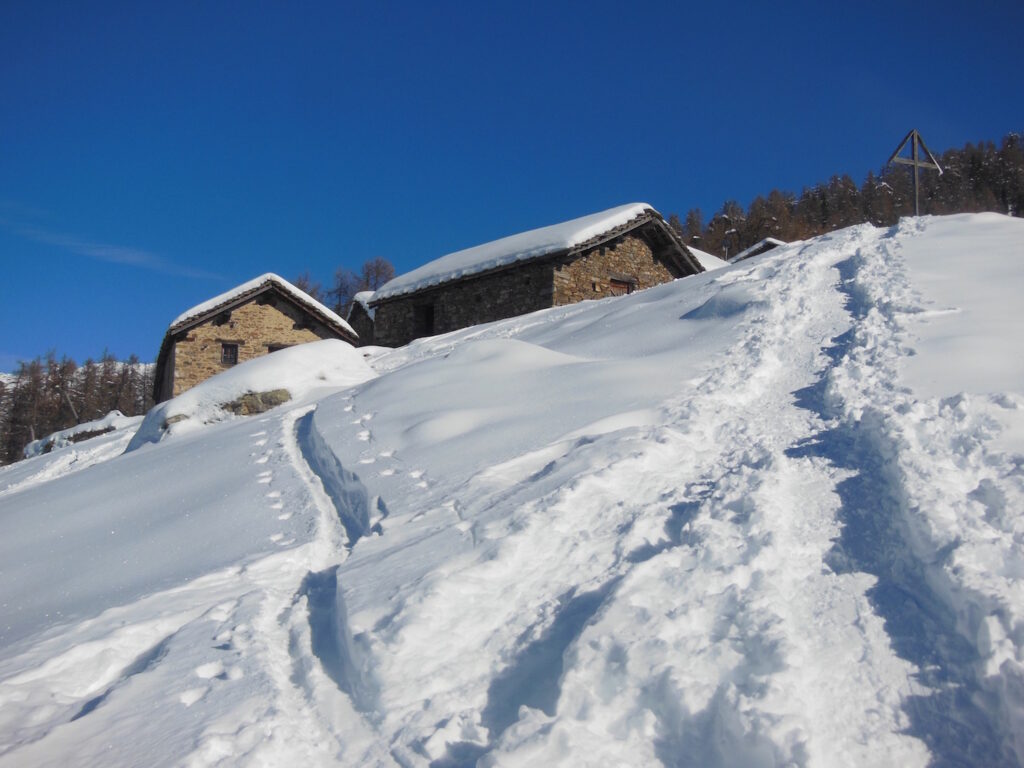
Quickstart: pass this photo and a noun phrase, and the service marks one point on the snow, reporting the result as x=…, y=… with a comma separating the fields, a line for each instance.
x=300, y=296
x=113, y=421
x=761, y=516
x=300, y=369
x=707, y=261
x=508, y=250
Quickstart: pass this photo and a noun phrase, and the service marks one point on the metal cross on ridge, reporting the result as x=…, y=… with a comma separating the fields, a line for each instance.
x=916, y=142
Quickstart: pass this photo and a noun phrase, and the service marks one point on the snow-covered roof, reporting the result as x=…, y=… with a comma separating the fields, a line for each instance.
x=759, y=247
x=707, y=260
x=508, y=250
x=363, y=299
x=254, y=286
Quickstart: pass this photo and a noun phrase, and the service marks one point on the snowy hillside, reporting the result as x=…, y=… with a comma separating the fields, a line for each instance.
x=764, y=516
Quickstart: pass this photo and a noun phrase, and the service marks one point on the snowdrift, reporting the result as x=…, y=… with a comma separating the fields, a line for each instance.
x=768, y=515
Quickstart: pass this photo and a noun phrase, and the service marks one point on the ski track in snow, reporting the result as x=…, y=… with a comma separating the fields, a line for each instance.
x=792, y=564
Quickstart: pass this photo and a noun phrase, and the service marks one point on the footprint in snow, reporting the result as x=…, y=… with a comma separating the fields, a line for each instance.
x=216, y=670
x=192, y=695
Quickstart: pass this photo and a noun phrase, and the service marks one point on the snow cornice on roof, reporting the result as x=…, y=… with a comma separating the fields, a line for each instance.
x=242, y=293
x=562, y=239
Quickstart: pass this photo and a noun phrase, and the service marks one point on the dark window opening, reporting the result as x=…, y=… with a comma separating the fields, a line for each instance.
x=276, y=347
x=228, y=354
x=423, y=317
x=222, y=319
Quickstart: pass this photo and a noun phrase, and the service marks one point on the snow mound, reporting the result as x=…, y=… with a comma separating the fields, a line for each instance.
x=112, y=422
x=298, y=370
x=708, y=261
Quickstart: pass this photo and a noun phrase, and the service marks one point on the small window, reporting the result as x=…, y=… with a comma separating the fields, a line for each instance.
x=228, y=354
x=276, y=347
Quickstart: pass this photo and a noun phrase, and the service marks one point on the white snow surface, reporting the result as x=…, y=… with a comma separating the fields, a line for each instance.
x=113, y=421
x=707, y=260
x=508, y=250
x=759, y=517
x=302, y=370
x=301, y=296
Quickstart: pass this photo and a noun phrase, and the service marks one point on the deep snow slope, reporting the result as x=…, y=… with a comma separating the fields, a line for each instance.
x=764, y=516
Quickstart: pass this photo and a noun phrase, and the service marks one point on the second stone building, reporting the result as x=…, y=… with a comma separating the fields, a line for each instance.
x=604, y=254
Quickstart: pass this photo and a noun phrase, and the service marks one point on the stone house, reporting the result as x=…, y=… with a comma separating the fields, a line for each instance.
x=256, y=318
x=609, y=253
x=360, y=317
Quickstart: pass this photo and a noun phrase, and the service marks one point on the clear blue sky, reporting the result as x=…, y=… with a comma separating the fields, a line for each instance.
x=154, y=155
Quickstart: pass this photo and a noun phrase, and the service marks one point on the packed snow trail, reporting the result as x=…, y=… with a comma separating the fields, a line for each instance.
x=708, y=503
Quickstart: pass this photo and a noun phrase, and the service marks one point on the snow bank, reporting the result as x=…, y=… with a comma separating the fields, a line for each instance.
x=709, y=262
x=113, y=421
x=507, y=250
x=300, y=370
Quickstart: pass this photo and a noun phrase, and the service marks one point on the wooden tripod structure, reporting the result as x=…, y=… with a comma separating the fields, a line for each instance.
x=917, y=143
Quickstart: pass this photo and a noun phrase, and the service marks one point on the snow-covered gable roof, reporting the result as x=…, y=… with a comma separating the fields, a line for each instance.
x=508, y=250
x=363, y=299
x=759, y=247
x=251, y=288
x=707, y=260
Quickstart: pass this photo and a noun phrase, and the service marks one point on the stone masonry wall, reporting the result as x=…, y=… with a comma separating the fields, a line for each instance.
x=589, y=276
x=467, y=302
x=362, y=324
x=254, y=327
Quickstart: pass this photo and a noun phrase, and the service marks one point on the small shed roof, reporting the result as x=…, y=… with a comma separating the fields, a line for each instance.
x=757, y=248
x=545, y=241
x=363, y=299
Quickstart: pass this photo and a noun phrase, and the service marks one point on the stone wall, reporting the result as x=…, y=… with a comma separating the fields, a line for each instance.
x=361, y=323
x=628, y=260
x=463, y=303
x=267, y=320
